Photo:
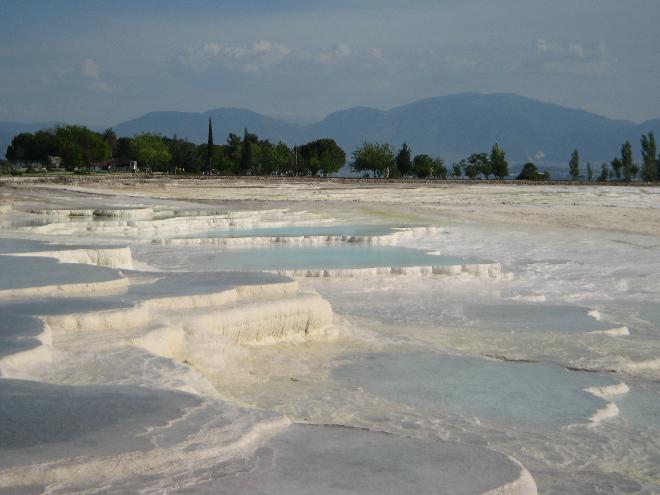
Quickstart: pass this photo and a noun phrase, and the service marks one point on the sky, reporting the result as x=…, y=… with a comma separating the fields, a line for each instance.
x=98, y=63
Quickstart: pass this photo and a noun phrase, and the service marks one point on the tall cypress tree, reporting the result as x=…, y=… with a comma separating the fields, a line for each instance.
x=498, y=163
x=403, y=160
x=574, y=165
x=246, y=152
x=649, y=159
x=209, y=148
x=627, y=161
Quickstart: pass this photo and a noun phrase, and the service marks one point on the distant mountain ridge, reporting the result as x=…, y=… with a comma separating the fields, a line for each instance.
x=450, y=126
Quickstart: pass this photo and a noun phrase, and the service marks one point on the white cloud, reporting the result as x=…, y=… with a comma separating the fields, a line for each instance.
x=243, y=58
x=543, y=46
x=335, y=54
x=377, y=53
x=569, y=58
x=90, y=69
x=100, y=86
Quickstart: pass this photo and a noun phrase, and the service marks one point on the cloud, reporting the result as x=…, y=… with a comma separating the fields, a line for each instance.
x=100, y=86
x=376, y=53
x=90, y=69
x=335, y=54
x=568, y=58
x=252, y=58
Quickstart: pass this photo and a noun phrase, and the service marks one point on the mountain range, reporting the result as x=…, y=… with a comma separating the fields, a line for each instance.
x=449, y=126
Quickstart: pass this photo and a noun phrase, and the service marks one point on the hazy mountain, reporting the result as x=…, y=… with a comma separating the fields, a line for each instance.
x=456, y=125
x=449, y=126
x=194, y=126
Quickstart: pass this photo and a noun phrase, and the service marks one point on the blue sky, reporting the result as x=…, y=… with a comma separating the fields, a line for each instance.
x=101, y=62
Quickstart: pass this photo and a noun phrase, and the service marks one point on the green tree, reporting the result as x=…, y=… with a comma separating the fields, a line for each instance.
x=617, y=166
x=375, y=158
x=152, y=151
x=125, y=149
x=456, y=170
x=247, y=154
x=604, y=173
x=403, y=160
x=574, y=165
x=209, y=148
x=78, y=146
x=322, y=155
x=283, y=158
x=480, y=163
x=498, y=162
x=650, y=162
x=439, y=169
x=184, y=155
x=423, y=166
x=627, y=161
x=530, y=172
x=110, y=139
x=590, y=172
x=21, y=147
x=470, y=170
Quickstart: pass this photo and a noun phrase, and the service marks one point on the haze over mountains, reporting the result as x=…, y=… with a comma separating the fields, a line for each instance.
x=449, y=126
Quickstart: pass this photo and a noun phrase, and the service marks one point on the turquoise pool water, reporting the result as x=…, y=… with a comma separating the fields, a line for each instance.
x=291, y=257
x=294, y=231
x=533, y=394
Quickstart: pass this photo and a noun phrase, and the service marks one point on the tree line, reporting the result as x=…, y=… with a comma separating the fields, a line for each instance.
x=622, y=168
x=381, y=160
x=79, y=147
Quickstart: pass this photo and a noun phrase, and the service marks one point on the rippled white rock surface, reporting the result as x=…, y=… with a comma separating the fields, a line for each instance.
x=419, y=340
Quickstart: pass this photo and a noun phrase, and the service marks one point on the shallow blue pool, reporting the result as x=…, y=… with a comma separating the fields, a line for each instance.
x=516, y=393
x=295, y=231
x=294, y=257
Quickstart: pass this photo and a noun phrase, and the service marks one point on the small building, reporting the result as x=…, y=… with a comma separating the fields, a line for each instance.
x=24, y=166
x=96, y=167
x=54, y=162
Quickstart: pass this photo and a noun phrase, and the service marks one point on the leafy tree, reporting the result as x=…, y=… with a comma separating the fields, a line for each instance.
x=590, y=173
x=470, y=168
x=247, y=154
x=185, y=156
x=21, y=147
x=616, y=165
x=283, y=157
x=151, y=150
x=110, y=139
x=78, y=146
x=456, y=170
x=423, y=166
x=373, y=157
x=125, y=149
x=574, y=165
x=322, y=155
x=403, y=160
x=628, y=164
x=604, y=173
x=439, y=169
x=480, y=163
x=28, y=147
x=650, y=164
x=498, y=162
x=530, y=172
